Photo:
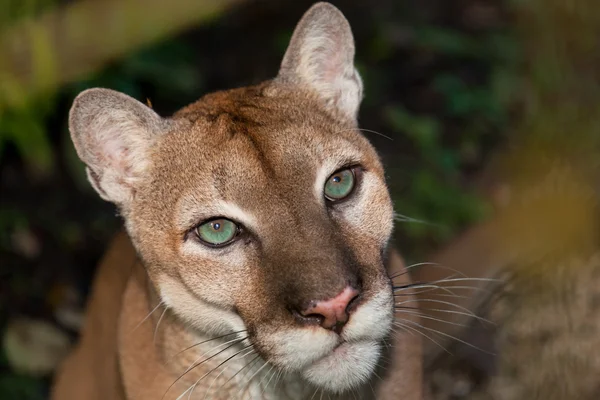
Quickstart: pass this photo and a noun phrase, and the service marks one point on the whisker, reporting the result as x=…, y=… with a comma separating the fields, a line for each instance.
x=200, y=343
x=377, y=376
x=260, y=383
x=474, y=288
x=431, y=264
x=375, y=132
x=450, y=336
x=241, y=369
x=468, y=279
x=158, y=324
x=448, y=312
x=183, y=394
x=404, y=329
x=147, y=316
x=450, y=279
x=277, y=374
x=405, y=218
x=432, y=289
x=419, y=285
x=385, y=361
x=207, y=391
x=422, y=315
x=424, y=335
x=218, y=366
x=366, y=130
x=277, y=379
x=421, y=264
x=469, y=312
x=224, y=369
x=455, y=296
x=192, y=366
x=234, y=341
x=371, y=386
x=252, y=377
x=314, y=394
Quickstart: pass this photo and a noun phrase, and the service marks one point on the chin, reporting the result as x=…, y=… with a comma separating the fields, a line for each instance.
x=348, y=366
x=333, y=362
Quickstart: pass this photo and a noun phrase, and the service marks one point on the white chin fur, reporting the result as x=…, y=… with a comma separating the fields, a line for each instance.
x=294, y=349
x=347, y=367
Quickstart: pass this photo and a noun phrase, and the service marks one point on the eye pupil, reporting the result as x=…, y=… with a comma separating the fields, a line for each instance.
x=339, y=185
x=218, y=232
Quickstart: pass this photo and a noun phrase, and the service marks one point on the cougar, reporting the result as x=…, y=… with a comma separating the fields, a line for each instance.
x=256, y=262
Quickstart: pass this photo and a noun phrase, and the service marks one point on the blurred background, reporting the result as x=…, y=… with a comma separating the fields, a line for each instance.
x=465, y=99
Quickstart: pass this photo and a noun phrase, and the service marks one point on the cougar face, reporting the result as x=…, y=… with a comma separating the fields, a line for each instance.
x=261, y=209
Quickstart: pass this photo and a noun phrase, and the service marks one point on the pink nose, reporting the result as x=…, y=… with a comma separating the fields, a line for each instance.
x=333, y=313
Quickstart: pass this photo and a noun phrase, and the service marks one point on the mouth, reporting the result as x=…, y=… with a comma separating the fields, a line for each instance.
x=346, y=366
x=341, y=352
x=339, y=349
x=335, y=362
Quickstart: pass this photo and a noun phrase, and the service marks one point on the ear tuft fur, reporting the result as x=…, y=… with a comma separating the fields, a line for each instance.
x=321, y=57
x=112, y=134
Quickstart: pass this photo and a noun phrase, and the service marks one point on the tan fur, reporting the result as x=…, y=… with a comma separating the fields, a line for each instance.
x=96, y=354
x=258, y=156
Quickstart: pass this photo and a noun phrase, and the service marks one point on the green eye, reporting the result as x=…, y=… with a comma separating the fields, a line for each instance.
x=339, y=185
x=217, y=232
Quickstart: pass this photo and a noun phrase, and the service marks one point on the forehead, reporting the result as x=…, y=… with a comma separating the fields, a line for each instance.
x=253, y=151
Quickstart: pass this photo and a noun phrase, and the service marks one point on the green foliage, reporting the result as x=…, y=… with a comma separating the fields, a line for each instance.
x=447, y=42
x=424, y=131
x=13, y=10
x=462, y=100
x=433, y=188
x=497, y=47
x=169, y=67
x=26, y=128
x=432, y=193
x=14, y=386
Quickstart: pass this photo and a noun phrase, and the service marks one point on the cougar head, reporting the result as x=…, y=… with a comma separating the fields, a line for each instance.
x=260, y=209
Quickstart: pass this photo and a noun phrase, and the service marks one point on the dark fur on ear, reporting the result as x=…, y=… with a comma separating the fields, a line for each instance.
x=321, y=57
x=112, y=133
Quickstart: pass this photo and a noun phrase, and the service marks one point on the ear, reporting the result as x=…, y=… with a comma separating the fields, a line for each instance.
x=113, y=133
x=321, y=56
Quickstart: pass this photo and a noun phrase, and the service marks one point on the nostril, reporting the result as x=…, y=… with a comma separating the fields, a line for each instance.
x=308, y=319
x=332, y=313
x=316, y=318
x=353, y=304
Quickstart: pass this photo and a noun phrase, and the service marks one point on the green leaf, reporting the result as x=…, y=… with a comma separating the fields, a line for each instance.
x=27, y=132
x=423, y=130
